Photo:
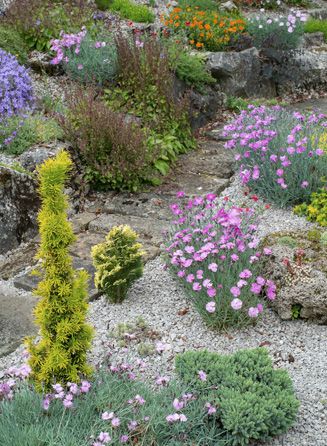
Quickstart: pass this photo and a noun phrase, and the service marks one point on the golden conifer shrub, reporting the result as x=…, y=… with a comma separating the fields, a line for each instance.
x=60, y=355
x=118, y=262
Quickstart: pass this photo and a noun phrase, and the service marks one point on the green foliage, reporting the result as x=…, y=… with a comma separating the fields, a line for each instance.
x=316, y=209
x=255, y=402
x=92, y=64
x=203, y=5
x=128, y=9
x=47, y=18
x=315, y=25
x=287, y=241
x=296, y=311
x=118, y=262
x=145, y=349
x=35, y=129
x=12, y=42
x=238, y=104
x=17, y=167
x=323, y=238
x=190, y=68
x=60, y=355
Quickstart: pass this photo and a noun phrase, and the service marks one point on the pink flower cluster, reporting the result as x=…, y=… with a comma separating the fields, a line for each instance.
x=215, y=252
x=66, y=396
x=278, y=152
x=66, y=41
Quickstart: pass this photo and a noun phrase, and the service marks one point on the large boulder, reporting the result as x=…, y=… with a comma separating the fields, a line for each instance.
x=19, y=204
x=240, y=73
x=298, y=265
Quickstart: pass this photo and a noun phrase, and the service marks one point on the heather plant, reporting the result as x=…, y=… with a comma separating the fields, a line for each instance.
x=128, y=9
x=278, y=153
x=21, y=134
x=47, y=18
x=213, y=250
x=206, y=29
x=118, y=262
x=248, y=391
x=86, y=59
x=282, y=33
x=12, y=42
x=59, y=357
x=112, y=148
x=117, y=408
x=316, y=209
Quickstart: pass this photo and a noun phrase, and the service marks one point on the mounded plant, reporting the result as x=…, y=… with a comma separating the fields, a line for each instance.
x=316, y=209
x=60, y=355
x=128, y=9
x=214, y=251
x=118, y=262
x=12, y=42
x=251, y=400
x=280, y=155
x=316, y=25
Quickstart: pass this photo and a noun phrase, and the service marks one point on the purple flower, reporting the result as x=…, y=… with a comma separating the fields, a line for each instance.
x=210, y=409
x=132, y=425
x=115, y=422
x=256, y=288
x=85, y=386
x=107, y=416
x=139, y=400
x=124, y=439
x=245, y=274
x=202, y=375
x=235, y=291
x=304, y=184
x=213, y=267
x=177, y=404
x=253, y=312
x=104, y=437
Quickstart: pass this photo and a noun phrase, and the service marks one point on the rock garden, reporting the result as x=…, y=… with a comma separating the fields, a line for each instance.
x=163, y=223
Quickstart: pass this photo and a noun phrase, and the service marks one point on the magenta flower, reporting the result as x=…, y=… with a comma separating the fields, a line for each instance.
x=132, y=425
x=256, y=288
x=85, y=386
x=115, y=422
x=190, y=278
x=104, y=437
x=260, y=308
x=235, y=291
x=140, y=400
x=211, y=307
x=207, y=283
x=210, y=408
x=196, y=286
x=124, y=438
x=211, y=292
x=180, y=194
x=267, y=251
x=236, y=304
x=245, y=274
x=178, y=405
x=304, y=184
x=213, y=267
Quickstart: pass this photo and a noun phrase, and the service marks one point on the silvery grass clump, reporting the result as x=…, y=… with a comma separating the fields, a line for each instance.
x=16, y=94
x=279, y=153
x=281, y=33
x=214, y=251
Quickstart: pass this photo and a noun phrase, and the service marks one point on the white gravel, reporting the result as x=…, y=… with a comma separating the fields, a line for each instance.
x=298, y=346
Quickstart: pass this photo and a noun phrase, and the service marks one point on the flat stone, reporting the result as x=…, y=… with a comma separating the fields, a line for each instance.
x=18, y=260
x=29, y=282
x=81, y=221
x=16, y=318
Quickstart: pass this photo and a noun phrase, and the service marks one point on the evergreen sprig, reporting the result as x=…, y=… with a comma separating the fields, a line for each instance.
x=60, y=355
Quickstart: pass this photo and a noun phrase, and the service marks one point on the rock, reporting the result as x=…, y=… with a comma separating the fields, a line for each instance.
x=240, y=74
x=41, y=63
x=204, y=106
x=313, y=39
x=19, y=204
x=32, y=158
x=228, y=6
x=298, y=266
x=320, y=13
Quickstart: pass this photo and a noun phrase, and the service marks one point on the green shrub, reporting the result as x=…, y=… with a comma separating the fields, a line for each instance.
x=96, y=61
x=315, y=25
x=128, y=9
x=190, y=68
x=254, y=401
x=316, y=209
x=35, y=129
x=203, y=5
x=238, y=104
x=118, y=262
x=60, y=355
x=12, y=42
x=47, y=18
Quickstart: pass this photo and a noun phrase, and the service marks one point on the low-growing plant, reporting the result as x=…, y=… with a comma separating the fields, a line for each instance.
x=86, y=59
x=205, y=29
x=59, y=357
x=253, y=402
x=316, y=209
x=47, y=18
x=33, y=129
x=238, y=104
x=12, y=42
x=189, y=68
x=281, y=33
x=146, y=349
x=214, y=251
x=278, y=153
x=296, y=311
x=248, y=391
x=202, y=5
x=316, y=25
x=130, y=10
x=118, y=262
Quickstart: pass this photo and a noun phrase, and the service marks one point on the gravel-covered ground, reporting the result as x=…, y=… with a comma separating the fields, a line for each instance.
x=298, y=346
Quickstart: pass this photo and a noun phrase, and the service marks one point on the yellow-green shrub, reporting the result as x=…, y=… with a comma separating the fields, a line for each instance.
x=60, y=356
x=316, y=210
x=118, y=262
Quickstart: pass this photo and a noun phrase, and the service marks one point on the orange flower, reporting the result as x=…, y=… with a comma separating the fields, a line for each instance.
x=207, y=26
x=192, y=42
x=199, y=45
